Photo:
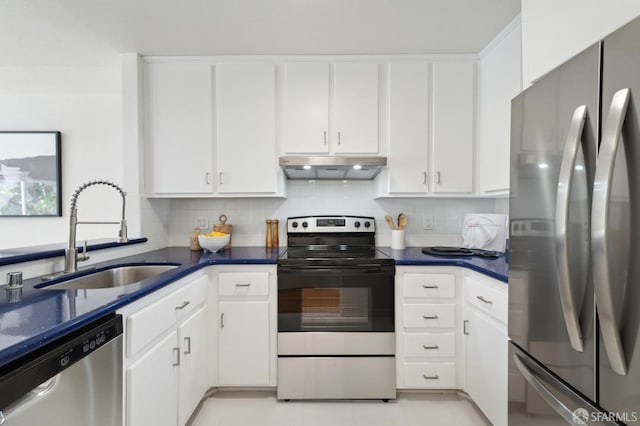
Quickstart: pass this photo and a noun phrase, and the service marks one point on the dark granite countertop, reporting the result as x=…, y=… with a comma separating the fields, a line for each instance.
x=43, y=315
x=497, y=268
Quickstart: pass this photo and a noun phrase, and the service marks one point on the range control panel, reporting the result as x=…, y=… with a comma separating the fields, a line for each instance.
x=319, y=224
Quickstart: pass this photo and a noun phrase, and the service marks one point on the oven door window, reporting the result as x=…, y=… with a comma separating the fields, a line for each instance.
x=334, y=300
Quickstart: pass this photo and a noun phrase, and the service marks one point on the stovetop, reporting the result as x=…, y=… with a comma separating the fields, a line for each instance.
x=332, y=241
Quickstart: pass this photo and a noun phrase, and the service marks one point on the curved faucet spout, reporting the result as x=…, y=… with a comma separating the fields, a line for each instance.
x=71, y=253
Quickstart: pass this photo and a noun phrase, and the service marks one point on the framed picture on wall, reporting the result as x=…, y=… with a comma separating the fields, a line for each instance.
x=30, y=174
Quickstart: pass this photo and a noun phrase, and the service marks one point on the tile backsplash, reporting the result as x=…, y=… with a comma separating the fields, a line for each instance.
x=248, y=215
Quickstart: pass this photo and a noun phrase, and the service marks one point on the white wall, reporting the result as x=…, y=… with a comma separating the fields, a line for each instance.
x=554, y=31
x=84, y=103
x=327, y=197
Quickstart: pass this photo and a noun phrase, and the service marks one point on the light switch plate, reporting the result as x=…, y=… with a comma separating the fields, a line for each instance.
x=202, y=222
x=427, y=222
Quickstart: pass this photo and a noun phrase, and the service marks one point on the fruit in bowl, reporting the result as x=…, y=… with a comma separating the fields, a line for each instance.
x=213, y=241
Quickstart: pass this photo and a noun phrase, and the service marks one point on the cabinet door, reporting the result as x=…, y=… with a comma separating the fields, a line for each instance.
x=152, y=386
x=500, y=80
x=193, y=363
x=306, y=108
x=487, y=348
x=408, y=127
x=356, y=109
x=179, y=123
x=453, y=126
x=246, y=139
x=244, y=355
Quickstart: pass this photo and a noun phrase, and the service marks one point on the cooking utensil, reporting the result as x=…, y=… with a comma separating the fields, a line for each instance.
x=402, y=221
x=389, y=220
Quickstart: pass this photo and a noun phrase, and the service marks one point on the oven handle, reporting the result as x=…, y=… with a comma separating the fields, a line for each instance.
x=337, y=269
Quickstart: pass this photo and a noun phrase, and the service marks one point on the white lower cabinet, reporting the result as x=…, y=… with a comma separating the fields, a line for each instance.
x=487, y=345
x=193, y=380
x=151, y=384
x=166, y=354
x=428, y=328
x=246, y=326
x=244, y=343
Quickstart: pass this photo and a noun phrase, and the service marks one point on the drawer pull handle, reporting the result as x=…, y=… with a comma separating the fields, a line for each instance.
x=184, y=305
x=434, y=377
x=243, y=285
x=430, y=347
x=222, y=320
x=489, y=302
x=176, y=352
x=430, y=316
x=429, y=286
x=187, y=342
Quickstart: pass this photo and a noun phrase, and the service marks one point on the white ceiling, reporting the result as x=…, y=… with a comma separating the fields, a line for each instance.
x=91, y=31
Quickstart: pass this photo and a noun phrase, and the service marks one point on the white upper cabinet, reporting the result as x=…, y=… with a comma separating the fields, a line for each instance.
x=453, y=126
x=245, y=112
x=306, y=108
x=356, y=109
x=408, y=128
x=309, y=100
x=178, y=126
x=499, y=81
x=431, y=125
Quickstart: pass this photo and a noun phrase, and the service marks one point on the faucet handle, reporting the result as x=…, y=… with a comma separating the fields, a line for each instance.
x=84, y=256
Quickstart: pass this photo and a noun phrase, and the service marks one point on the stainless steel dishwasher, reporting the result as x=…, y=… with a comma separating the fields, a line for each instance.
x=75, y=380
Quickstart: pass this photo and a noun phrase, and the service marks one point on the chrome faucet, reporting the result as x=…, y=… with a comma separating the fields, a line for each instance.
x=71, y=253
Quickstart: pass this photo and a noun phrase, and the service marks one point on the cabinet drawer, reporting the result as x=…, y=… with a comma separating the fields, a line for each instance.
x=243, y=284
x=146, y=324
x=429, y=374
x=429, y=315
x=429, y=345
x=191, y=296
x=429, y=285
x=488, y=299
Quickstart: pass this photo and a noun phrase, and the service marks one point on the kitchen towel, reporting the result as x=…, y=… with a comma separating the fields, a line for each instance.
x=484, y=231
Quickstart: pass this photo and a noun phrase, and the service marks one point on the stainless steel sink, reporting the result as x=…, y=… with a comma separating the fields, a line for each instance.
x=118, y=276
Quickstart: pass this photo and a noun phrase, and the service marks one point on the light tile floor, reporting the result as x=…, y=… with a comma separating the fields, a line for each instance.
x=227, y=408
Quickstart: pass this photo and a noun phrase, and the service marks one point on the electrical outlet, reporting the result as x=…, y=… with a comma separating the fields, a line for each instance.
x=202, y=222
x=427, y=222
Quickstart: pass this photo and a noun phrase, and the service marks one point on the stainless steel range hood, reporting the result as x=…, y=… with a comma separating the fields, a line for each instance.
x=332, y=167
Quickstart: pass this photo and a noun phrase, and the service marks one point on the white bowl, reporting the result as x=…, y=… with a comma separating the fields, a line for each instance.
x=213, y=244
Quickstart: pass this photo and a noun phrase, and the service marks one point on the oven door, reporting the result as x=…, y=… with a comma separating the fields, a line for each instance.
x=336, y=298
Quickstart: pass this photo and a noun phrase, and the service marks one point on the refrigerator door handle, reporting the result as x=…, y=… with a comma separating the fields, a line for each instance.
x=543, y=391
x=533, y=375
x=611, y=135
x=567, y=298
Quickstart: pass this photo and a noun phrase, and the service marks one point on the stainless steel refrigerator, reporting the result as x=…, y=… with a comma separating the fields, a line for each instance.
x=574, y=265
